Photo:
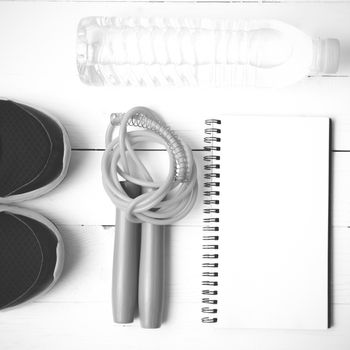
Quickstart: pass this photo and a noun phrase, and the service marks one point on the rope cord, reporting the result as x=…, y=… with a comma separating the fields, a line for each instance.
x=162, y=203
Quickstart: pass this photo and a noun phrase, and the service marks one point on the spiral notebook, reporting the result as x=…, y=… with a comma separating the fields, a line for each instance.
x=266, y=224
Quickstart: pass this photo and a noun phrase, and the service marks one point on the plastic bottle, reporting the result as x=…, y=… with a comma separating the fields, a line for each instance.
x=204, y=52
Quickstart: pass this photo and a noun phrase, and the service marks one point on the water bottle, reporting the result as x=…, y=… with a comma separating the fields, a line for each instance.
x=199, y=52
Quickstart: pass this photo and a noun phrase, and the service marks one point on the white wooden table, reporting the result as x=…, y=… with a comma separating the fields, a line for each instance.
x=37, y=66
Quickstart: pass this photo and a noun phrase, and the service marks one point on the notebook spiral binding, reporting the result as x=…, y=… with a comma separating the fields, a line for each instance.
x=211, y=218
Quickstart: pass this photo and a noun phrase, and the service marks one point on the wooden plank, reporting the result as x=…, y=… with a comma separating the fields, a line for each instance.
x=340, y=189
x=88, y=268
x=89, y=326
x=340, y=260
x=77, y=312
x=81, y=199
x=85, y=113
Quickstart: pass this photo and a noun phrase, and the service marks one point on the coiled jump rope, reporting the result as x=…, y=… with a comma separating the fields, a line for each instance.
x=144, y=206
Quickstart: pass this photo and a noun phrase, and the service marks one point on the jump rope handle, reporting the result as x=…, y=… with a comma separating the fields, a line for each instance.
x=138, y=269
x=151, y=276
x=126, y=262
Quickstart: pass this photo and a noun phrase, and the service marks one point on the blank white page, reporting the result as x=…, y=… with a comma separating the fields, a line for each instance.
x=274, y=213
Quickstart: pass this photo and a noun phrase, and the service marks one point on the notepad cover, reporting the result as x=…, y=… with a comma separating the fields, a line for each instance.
x=274, y=222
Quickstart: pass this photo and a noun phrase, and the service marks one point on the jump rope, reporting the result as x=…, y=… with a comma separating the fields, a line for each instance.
x=144, y=207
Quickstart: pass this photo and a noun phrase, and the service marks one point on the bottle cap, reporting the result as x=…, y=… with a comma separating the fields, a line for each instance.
x=326, y=56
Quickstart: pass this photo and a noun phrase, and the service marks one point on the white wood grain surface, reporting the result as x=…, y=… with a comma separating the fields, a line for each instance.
x=37, y=66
